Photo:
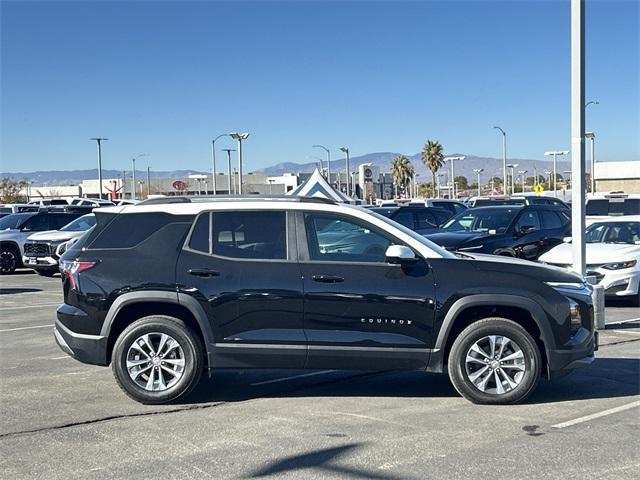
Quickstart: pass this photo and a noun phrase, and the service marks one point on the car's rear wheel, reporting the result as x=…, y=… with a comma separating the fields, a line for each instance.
x=8, y=259
x=157, y=359
x=495, y=361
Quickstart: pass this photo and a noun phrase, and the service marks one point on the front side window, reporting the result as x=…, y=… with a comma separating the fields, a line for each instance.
x=528, y=222
x=426, y=219
x=37, y=223
x=259, y=235
x=405, y=218
x=482, y=220
x=333, y=238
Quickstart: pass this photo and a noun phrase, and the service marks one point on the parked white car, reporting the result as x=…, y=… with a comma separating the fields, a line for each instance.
x=613, y=255
x=601, y=206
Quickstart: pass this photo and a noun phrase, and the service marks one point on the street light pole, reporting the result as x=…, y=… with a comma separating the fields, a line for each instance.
x=504, y=159
x=555, y=168
x=453, y=177
x=478, y=171
x=229, y=150
x=511, y=166
x=213, y=160
x=522, y=173
x=99, y=140
x=239, y=137
x=345, y=150
x=133, y=161
x=148, y=181
x=328, y=160
x=592, y=136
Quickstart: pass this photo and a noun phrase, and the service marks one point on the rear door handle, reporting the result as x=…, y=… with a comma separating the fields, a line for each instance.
x=327, y=279
x=203, y=272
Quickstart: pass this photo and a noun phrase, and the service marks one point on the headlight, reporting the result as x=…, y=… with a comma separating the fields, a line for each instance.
x=568, y=288
x=620, y=265
x=576, y=319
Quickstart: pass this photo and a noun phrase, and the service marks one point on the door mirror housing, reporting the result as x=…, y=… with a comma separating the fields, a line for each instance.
x=398, y=254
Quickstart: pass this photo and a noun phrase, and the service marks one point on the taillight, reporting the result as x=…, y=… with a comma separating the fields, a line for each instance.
x=71, y=268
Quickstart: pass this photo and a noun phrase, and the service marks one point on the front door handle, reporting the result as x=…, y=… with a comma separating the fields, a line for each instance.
x=203, y=272
x=327, y=279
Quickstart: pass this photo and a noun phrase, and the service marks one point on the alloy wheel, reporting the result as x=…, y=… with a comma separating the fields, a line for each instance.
x=155, y=361
x=495, y=364
x=7, y=261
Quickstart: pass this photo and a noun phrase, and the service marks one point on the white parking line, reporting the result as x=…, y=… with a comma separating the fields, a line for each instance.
x=593, y=416
x=31, y=306
x=25, y=328
x=284, y=379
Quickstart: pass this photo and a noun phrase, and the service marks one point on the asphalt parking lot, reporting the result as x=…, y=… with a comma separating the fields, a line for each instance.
x=63, y=419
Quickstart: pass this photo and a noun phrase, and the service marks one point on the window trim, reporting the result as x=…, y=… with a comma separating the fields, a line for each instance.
x=303, y=246
x=291, y=252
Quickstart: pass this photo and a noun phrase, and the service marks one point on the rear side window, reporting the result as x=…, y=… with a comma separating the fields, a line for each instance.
x=258, y=235
x=130, y=229
x=200, y=236
x=404, y=217
x=57, y=221
x=550, y=220
x=426, y=219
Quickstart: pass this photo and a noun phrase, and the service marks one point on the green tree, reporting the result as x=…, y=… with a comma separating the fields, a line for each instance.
x=462, y=182
x=10, y=190
x=433, y=158
x=402, y=171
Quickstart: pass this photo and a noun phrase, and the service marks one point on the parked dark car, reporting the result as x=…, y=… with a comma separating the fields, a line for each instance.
x=422, y=220
x=515, y=231
x=167, y=290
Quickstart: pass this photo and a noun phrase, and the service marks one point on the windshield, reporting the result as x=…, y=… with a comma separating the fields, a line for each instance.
x=80, y=224
x=416, y=236
x=13, y=222
x=613, y=206
x=482, y=220
x=613, y=232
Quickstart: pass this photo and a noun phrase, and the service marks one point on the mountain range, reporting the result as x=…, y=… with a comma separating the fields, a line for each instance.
x=491, y=166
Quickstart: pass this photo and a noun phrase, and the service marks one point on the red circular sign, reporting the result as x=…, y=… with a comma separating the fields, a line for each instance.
x=179, y=185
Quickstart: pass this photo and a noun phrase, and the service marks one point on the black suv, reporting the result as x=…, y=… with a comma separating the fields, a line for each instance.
x=162, y=291
x=418, y=218
x=513, y=231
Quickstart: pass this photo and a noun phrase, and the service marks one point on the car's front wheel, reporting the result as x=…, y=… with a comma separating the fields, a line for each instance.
x=8, y=259
x=157, y=359
x=495, y=361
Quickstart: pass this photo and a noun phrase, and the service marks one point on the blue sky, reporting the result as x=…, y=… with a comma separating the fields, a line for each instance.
x=164, y=77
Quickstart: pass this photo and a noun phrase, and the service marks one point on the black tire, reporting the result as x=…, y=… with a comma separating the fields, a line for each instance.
x=46, y=273
x=9, y=259
x=192, y=353
x=480, y=332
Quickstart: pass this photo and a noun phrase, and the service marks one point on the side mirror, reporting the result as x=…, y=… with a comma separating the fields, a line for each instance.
x=398, y=254
x=566, y=239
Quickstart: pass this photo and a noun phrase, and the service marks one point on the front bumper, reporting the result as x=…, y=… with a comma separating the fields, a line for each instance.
x=85, y=348
x=40, y=263
x=561, y=362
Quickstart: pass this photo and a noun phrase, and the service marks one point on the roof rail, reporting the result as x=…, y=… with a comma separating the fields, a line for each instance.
x=235, y=198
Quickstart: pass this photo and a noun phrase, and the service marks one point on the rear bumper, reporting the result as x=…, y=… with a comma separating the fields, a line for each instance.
x=91, y=349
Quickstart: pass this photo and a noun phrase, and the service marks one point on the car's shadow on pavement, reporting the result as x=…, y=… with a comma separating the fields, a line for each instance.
x=11, y=291
x=606, y=378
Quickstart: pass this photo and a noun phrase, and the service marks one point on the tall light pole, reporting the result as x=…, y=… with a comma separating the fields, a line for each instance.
x=504, y=159
x=567, y=175
x=133, y=161
x=213, y=160
x=478, y=171
x=453, y=176
x=229, y=150
x=239, y=137
x=522, y=173
x=592, y=136
x=99, y=140
x=511, y=166
x=591, y=102
x=555, y=167
x=548, y=174
x=345, y=150
x=328, y=160
x=148, y=181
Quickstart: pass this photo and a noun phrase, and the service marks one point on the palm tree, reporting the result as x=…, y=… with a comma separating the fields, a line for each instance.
x=433, y=159
x=402, y=171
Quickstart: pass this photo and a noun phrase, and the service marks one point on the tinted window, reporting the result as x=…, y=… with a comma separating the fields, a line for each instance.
x=425, y=219
x=404, y=217
x=482, y=220
x=528, y=220
x=200, y=236
x=12, y=222
x=333, y=238
x=550, y=220
x=57, y=221
x=80, y=224
x=250, y=235
x=37, y=223
x=128, y=230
